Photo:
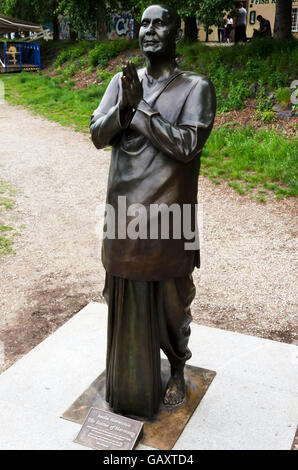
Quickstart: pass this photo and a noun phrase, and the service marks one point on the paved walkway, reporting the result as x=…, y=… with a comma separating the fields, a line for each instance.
x=252, y=402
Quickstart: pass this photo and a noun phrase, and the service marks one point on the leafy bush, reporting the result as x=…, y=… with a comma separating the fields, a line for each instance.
x=74, y=67
x=73, y=52
x=263, y=101
x=266, y=116
x=260, y=64
x=238, y=72
x=105, y=50
x=237, y=94
x=283, y=96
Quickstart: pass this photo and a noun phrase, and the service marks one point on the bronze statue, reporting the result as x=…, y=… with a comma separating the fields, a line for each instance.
x=157, y=120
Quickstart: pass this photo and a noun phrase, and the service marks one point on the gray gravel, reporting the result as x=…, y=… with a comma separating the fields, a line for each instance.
x=247, y=282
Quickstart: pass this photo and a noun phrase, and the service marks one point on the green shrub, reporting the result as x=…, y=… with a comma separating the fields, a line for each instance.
x=266, y=116
x=104, y=75
x=283, y=96
x=260, y=64
x=237, y=94
x=238, y=72
x=73, y=67
x=105, y=50
x=73, y=52
x=263, y=101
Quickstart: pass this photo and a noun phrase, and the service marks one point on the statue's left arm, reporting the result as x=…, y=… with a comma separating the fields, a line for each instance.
x=186, y=139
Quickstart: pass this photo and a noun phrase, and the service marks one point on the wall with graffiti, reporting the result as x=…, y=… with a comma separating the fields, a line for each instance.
x=64, y=27
x=121, y=25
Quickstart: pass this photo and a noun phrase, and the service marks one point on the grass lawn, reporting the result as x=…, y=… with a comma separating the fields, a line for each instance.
x=7, y=233
x=52, y=99
x=248, y=158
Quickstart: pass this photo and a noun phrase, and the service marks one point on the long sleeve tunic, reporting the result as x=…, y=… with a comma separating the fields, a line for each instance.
x=154, y=165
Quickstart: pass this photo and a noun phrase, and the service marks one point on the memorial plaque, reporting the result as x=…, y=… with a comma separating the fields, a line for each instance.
x=104, y=430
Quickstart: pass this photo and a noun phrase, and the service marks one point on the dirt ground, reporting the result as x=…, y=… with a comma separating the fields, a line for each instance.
x=246, y=282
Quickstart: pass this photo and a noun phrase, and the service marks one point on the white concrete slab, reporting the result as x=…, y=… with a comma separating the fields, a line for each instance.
x=62, y=366
x=251, y=404
x=30, y=428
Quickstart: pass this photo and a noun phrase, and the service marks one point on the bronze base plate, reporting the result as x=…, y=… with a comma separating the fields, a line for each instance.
x=165, y=428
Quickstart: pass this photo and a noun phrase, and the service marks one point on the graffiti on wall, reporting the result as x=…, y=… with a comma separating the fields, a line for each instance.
x=121, y=26
x=64, y=28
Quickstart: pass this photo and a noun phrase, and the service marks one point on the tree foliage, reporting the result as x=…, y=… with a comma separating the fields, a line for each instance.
x=84, y=13
x=30, y=10
x=33, y=10
x=184, y=8
x=212, y=12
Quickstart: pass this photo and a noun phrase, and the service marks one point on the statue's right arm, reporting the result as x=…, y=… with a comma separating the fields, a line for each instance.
x=109, y=120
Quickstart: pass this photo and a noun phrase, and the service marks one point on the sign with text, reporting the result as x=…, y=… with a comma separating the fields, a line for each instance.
x=104, y=430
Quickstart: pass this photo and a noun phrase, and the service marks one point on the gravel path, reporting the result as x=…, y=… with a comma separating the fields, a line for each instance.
x=247, y=279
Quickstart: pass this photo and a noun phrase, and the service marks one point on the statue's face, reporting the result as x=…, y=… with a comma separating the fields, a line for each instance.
x=158, y=32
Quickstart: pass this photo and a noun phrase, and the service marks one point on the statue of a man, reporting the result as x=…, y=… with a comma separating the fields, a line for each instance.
x=157, y=120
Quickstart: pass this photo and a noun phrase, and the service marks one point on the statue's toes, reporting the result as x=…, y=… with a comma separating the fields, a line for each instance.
x=177, y=399
x=173, y=398
x=169, y=397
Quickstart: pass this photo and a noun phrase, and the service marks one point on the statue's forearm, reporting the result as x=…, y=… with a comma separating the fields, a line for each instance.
x=182, y=143
x=105, y=128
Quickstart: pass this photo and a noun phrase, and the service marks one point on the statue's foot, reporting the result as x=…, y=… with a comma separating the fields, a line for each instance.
x=175, y=391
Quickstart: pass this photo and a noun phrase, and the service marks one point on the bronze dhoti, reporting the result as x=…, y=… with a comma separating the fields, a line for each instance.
x=144, y=317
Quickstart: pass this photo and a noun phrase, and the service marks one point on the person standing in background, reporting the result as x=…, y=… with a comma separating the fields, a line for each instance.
x=240, y=24
x=221, y=30
x=229, y=27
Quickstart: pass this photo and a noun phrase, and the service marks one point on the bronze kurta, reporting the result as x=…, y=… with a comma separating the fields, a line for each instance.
x=155, y=160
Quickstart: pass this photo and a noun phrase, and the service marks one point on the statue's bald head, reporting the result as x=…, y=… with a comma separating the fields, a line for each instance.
x=172, y=13
x=160, y=30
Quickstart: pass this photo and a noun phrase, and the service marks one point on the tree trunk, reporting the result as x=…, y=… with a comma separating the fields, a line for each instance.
x=207, y=35
x=101, y=30
x=73, y=33
x=55, y=28
x=55, y=21
x=190, y=29
x=136, y=29
x=101, y=22
x=283, y=19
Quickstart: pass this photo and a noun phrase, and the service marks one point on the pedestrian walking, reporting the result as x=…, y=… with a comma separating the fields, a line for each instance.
x=240, y=26
x=229, y=27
